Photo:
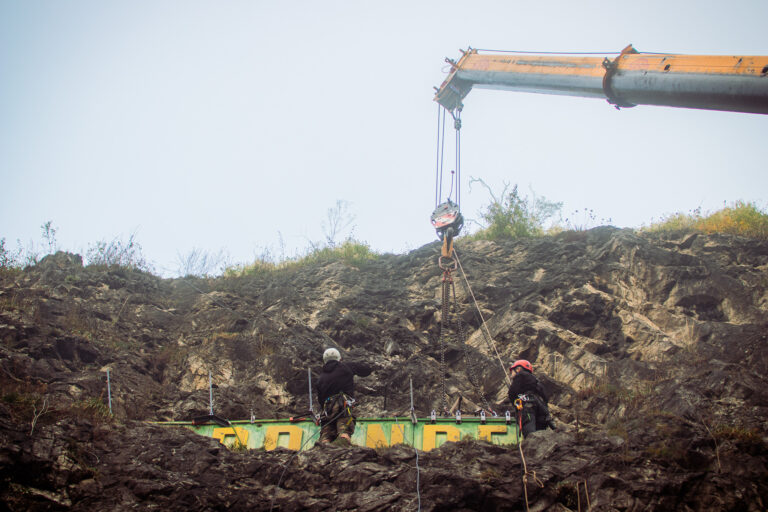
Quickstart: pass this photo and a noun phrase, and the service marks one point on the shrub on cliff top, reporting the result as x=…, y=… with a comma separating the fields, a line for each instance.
x=511, y=215
x=351, y=251
x=118, y=253
x=741, y=218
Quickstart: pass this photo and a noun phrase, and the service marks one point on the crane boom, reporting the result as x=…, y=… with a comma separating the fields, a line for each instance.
x=710, y=82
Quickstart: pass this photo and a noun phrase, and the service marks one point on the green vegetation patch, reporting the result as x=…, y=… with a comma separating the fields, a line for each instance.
x=511, y=215
x=740, y=218
x=351, y=252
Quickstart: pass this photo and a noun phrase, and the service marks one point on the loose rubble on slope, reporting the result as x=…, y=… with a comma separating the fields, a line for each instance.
x=654, y=349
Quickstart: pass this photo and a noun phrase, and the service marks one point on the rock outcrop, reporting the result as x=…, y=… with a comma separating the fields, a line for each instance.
x=654, y=349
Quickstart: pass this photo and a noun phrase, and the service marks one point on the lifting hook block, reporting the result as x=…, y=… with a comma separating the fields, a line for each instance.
x=447, y=249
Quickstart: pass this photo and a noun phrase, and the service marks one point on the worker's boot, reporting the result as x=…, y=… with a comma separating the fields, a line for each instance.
x=343, y=440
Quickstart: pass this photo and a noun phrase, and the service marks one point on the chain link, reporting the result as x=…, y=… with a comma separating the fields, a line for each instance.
x=447, y=283
x=448, y=292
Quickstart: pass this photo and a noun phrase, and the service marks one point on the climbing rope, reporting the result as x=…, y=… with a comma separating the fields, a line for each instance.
x=519, y=414
x=471, y=370
x=526, y=473
x=484, y=328
x=418, y=470
x=578, y=496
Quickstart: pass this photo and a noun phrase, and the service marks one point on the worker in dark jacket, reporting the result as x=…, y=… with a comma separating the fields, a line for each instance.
x=335, y=391
x=527, y=388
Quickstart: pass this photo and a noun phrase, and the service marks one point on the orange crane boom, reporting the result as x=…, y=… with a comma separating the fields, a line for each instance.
x=710, y=82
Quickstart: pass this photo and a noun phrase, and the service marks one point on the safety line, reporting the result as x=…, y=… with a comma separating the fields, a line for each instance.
x=525, y=475
x=471, y=369
x=418, y=470
x=482, y=324
x=578, y=495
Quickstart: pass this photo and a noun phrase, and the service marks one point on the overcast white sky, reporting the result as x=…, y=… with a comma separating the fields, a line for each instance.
x=220, y=125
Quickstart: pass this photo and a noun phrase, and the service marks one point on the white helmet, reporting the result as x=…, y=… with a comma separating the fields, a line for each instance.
x=331, y=354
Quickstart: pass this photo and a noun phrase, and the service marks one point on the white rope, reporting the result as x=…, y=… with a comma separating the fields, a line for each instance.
x=482, y=325
x=418, y=470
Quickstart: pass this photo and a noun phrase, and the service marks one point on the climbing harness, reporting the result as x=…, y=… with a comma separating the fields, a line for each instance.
x=519, y=412
x=346, y=401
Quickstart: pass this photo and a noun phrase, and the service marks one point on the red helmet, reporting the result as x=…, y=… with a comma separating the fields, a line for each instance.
x=522, y=362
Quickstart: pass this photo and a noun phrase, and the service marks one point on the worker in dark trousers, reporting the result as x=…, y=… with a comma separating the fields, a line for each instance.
x=335, y=391
x=527, y=388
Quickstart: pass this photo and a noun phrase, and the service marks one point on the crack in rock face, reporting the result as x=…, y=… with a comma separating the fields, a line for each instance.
x=653, y=350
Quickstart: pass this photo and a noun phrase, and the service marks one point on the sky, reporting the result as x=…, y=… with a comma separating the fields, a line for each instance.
x=235, y=126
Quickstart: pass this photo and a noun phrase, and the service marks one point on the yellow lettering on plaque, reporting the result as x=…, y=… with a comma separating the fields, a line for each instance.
x=398, y=433
x=274, y=433
x=451, y=433
x=375, y=438
x=240, y=435
x=485, y=432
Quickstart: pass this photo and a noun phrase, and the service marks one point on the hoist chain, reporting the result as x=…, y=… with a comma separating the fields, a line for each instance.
x=448, y=264
x=447, y=282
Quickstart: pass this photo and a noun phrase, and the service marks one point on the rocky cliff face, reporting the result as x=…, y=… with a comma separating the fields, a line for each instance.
x=654, y=350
